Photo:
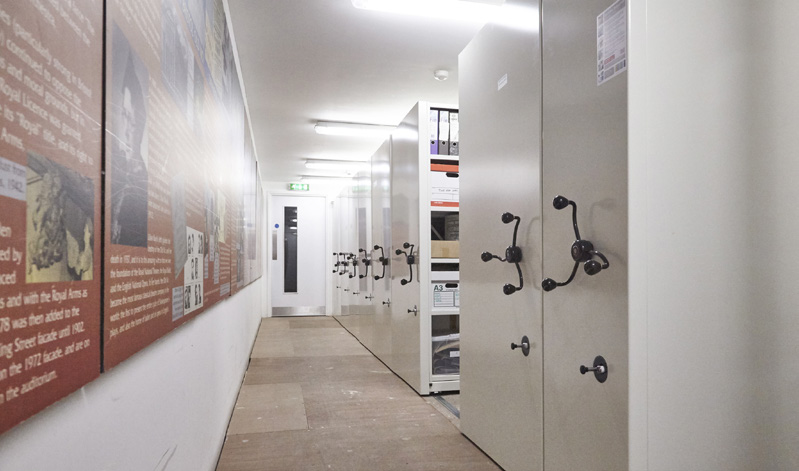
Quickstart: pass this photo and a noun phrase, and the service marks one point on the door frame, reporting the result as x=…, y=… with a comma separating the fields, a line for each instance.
x=328, y=246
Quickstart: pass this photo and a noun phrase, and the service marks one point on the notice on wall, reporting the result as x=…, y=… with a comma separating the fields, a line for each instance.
x=611, y=42
x=50, y=164
x=175, y=143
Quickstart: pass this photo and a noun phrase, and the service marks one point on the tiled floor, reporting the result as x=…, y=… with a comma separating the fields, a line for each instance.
x=314, y=398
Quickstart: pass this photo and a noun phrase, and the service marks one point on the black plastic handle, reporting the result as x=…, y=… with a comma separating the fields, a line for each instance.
x=383, y=261
x=366, y=262
x=354, y=259
x=410, y=259
x=513, y=254
x=342, y=264
x=582, y=251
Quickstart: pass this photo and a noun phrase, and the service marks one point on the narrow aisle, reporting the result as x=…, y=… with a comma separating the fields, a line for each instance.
x=314, y=398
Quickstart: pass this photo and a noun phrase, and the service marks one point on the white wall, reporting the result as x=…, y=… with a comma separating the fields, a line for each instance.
x=167, y=407
x=713, y=227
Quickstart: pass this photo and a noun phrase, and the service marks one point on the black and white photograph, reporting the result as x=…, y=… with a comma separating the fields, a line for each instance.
x=194, y=14
x=177, y=60
x=128, y=163
x=179, y=248
x=211, y=226
x=60, y=223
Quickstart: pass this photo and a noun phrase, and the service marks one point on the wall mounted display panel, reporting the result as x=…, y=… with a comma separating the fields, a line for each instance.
x=50, y=193
x=176, y=172
x=237, y=154
x=500, y=164
x=259, y=224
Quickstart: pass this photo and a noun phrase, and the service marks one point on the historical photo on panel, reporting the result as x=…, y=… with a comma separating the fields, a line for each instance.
x=228, y=64
x=199, y=100
x=177, y=59
x=60, y=223
x=193, y=271
x=128, y=134
x=214, y=31
x=179, y=249
x=194, y=14
x=221, y=211
x=211, y=226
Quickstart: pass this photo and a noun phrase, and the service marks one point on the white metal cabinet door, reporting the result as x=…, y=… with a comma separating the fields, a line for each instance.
x=500, y=116
x=381, y=237
x=405, y=305
x=365, y=297
x=352, y=292
x=584, y=160
x=343, y=281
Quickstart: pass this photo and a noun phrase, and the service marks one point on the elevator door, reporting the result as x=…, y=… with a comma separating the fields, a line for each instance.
x=298, y=255
x=500, y=162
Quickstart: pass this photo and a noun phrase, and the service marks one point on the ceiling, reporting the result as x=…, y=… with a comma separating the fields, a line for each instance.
x=304, y=61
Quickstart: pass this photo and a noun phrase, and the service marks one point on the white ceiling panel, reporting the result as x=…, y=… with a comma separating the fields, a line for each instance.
x=304, y=61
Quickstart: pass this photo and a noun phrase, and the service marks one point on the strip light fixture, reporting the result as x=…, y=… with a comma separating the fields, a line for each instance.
x=332, y=128
x=324, y=178
x=478, y=11
x=352, y=166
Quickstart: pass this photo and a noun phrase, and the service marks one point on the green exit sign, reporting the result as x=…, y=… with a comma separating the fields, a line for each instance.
x=299, y=186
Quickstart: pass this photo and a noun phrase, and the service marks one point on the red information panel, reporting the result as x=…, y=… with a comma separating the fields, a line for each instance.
x=50, y=195
x=174, y=136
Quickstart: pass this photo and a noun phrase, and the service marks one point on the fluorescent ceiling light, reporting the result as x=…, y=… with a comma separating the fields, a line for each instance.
x=351, y=129
x=478, y=11
x=324, y=178
x=346, y=165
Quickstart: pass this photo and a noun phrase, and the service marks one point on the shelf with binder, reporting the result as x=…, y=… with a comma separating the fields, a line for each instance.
x=412, y=324
x=424, y=196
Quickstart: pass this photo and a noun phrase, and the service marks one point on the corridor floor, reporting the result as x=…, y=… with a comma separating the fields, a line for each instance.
x=314, y=398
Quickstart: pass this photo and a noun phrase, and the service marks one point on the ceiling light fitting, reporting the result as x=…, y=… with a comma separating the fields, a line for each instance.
x=441, y=75
x=348, y=165
x=323, y=178
x=478, y=11
x=332, y=128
